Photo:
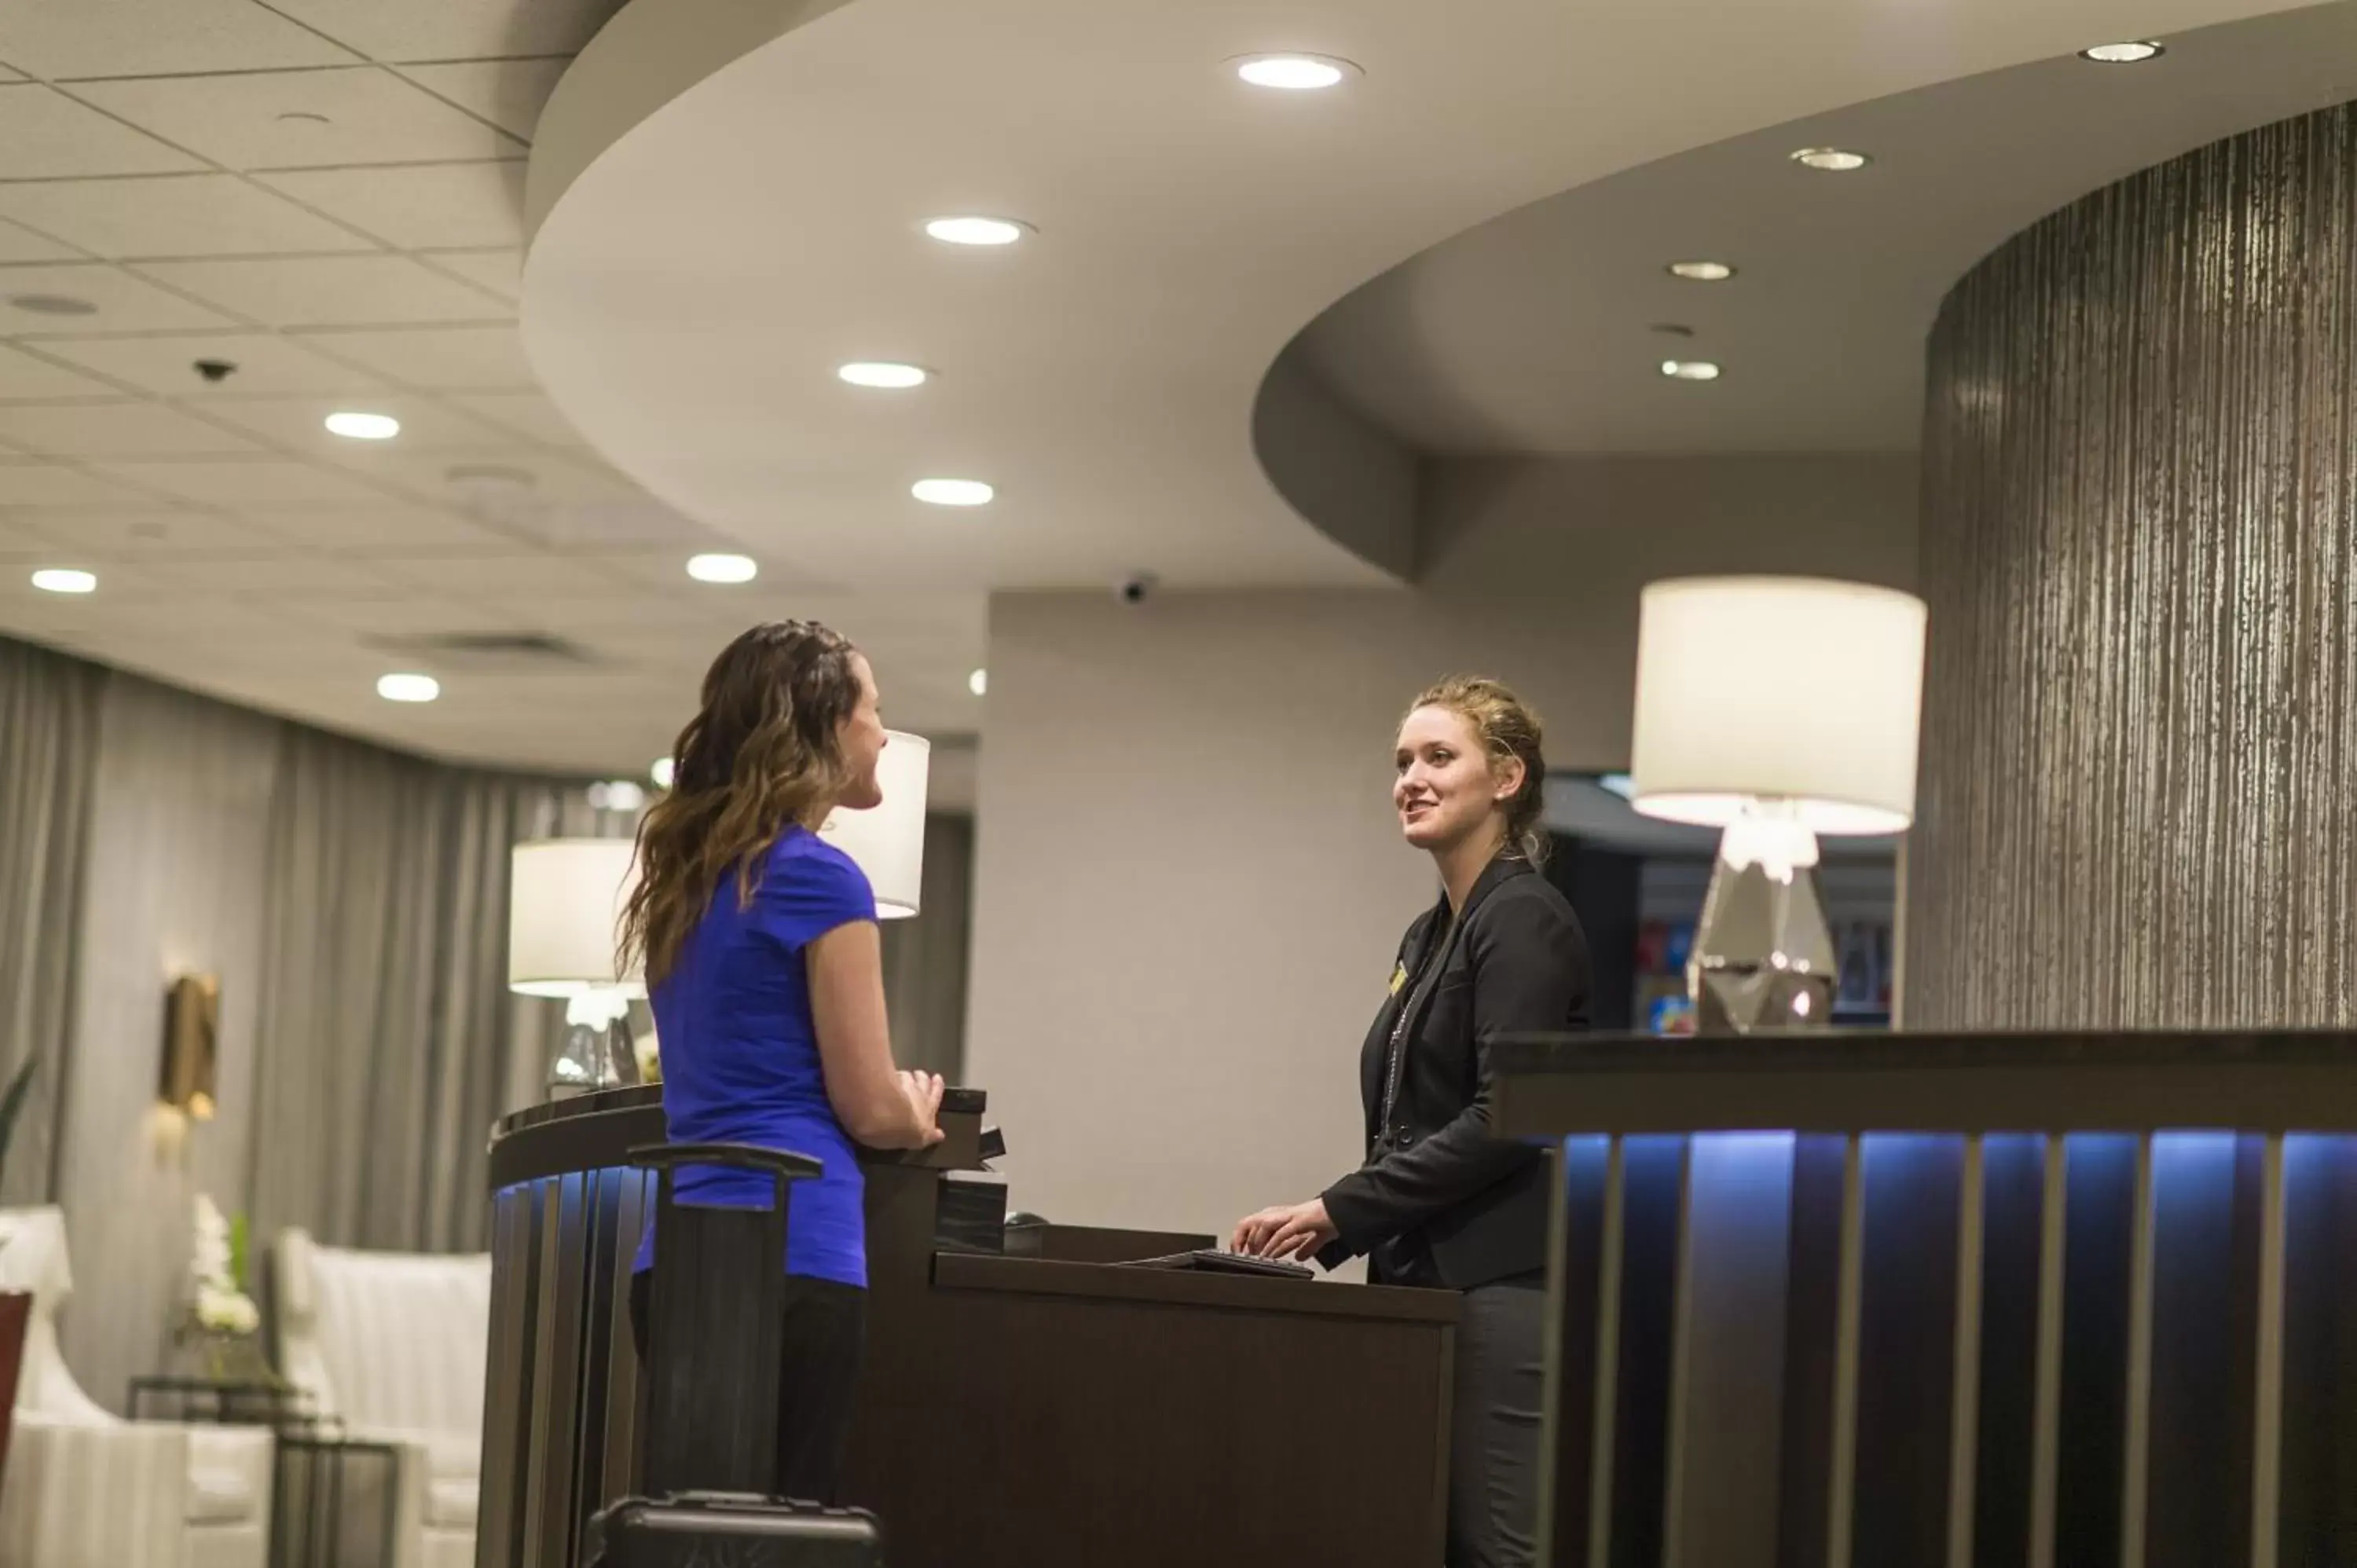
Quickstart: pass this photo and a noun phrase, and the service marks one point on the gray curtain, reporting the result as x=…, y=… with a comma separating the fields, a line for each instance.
x=48, y=746
x=925, y=958
x=389, y=1040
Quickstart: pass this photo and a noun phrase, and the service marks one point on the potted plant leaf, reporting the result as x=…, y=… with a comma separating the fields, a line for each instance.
x=16, y=1306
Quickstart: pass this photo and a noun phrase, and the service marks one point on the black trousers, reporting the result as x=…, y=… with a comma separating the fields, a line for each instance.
x=818, y=1380
x=1493, y=1446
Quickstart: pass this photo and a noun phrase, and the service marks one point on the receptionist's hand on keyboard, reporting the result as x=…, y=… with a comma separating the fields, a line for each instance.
x=1288, y=1230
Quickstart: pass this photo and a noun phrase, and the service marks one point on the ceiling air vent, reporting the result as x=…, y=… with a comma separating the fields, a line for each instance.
x=518, y=651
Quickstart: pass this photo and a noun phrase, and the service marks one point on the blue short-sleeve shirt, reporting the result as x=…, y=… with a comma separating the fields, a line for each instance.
x=740, y=1059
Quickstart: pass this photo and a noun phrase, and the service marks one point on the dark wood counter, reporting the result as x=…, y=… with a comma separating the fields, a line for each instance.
x=1050, y=1410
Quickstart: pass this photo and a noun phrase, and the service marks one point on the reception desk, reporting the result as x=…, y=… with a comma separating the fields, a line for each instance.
x=1870, y=1299
x=1028, y=1403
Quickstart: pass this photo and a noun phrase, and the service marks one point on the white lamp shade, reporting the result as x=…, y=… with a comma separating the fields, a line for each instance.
x=888, y=842
x=564, y=908
x=1793, y=690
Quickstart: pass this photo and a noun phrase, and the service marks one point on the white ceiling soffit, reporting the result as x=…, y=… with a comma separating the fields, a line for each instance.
x=1535, y=332
x=701, y=264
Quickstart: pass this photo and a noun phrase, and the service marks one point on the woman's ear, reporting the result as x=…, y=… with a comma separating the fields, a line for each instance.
x=1508, y=774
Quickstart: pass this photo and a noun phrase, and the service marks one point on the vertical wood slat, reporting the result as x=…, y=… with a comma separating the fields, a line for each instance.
x=550, y=1501
x=1727, y=1367
x=2046, y=1412
x=625, y=1411
x=1964, y=1448
x=2317, y=1463
x=2098, y=1255
x=1841, y=1480
x=1605, y=1417
x=2266, y=1396
x=511, y=1384
x=2136, y=1411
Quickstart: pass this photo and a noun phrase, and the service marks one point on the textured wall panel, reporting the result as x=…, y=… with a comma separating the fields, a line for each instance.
x=2139, y=545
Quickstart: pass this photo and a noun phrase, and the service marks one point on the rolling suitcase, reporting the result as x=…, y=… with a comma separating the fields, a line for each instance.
x=717, y=1307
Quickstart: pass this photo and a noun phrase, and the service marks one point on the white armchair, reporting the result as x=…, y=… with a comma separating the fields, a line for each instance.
x=85, y=1489
x=392, y=1344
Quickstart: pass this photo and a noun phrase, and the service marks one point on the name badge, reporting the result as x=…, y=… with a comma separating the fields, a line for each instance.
x=1399, y=978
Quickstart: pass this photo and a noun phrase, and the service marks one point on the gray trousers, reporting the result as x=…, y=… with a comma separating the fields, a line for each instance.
x=1493, y=1446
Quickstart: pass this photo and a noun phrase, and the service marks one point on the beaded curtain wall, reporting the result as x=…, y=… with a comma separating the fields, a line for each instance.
x=2139, y=546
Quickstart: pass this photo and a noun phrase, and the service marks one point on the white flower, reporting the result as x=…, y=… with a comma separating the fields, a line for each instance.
x=227, y=1311
x=208, y=1260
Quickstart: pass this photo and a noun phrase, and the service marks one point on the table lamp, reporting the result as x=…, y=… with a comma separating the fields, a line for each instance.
x=888, y=842
x=564, y=903
x=1781, y=710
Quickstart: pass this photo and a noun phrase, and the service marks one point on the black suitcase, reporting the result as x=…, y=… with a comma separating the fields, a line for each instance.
x=730, y=1529
x=717, y=1301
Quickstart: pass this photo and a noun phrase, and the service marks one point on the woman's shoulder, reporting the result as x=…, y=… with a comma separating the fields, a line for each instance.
x=1527, y=900
x=807, y=858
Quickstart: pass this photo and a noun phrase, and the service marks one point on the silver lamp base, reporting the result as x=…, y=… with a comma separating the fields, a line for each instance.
x=597, y=1053
x=1762, y=957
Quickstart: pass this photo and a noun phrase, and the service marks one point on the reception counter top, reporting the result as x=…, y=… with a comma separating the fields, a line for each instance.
x=1027, y=1400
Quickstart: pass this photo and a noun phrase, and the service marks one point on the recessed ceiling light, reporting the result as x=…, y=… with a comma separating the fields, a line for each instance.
x=52, y=304
x=722, y=568
x=1294, y=73
x=363, y=426
x=882, y=373
x=65, y=580
x=1831, y=160
x=1690, y=370
x=978, y=682
x=408, y=688
x=1702, y=271
x=663, y=771
x=2122, y=54
x=969, y=230
x=952, y=492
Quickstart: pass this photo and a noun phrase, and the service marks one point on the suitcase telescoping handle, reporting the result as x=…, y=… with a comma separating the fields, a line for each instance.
x=716, y=1325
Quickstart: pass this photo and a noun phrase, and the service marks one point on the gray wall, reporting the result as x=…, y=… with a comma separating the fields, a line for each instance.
x=1188, y=881
x=2140, y=551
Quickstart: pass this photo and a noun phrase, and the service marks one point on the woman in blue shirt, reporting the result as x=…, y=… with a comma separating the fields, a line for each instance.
x=765, y=967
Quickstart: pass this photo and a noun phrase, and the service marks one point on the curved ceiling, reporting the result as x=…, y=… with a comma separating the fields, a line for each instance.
x=1534, y=333
x=700, y=266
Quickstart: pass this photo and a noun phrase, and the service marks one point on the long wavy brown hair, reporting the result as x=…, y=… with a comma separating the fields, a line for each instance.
x=763, y=753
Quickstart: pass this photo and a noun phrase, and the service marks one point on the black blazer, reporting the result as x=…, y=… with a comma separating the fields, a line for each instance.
x=1478, y=1205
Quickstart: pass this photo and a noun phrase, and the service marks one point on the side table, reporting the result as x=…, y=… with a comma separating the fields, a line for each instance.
x=232, y=1403
x=333, y=1499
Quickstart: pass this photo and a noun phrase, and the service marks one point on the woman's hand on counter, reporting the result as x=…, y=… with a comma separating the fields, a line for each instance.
x=924, y=1091
x=1288, y=1230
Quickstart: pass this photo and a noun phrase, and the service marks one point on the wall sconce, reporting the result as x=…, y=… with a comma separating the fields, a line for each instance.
x=191, y=1044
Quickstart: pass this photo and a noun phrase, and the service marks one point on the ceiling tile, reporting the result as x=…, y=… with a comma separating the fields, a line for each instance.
x=266, y=364
x=517, y=486
x=380, y=532
x=25, y=379
x=314, y=576
x=184, y=215
x=419, y=206
x=441, y=359
x=500, y=271
x=321, y=291
x=142, y=534
x=510, y=93
x=37, y=484
x=371, y=116
x=234, y=482
x=119, y=582
x=23, y=245
x=525, y=412
x=406, y=615
x=50, y=137
x=137, y=37
x=114, y=430
x=455, y=29
x=300, y=424
x=126, y=304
